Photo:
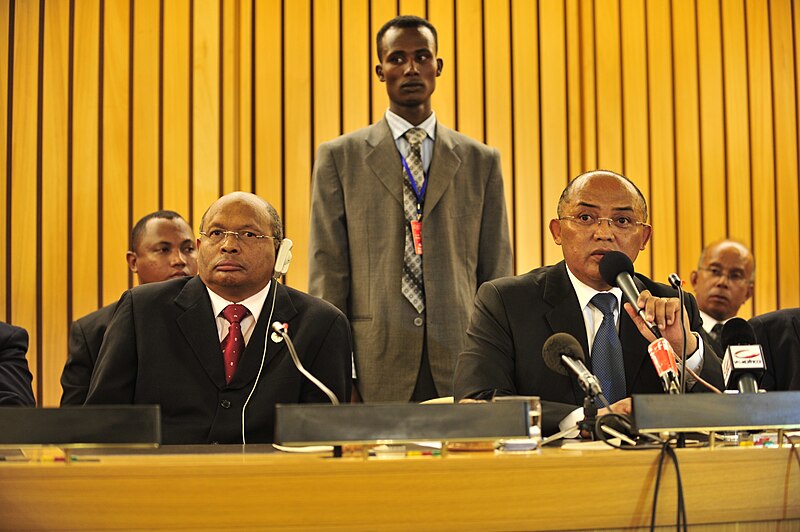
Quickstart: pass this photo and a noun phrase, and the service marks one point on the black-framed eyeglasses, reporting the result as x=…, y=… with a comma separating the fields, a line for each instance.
x=620, y=222
x=734, y=276
x=216, y=236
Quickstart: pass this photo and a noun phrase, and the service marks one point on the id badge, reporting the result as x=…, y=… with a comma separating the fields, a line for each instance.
x=416, y=233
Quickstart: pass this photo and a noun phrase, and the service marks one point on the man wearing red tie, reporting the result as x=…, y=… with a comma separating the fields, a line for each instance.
x=199, y=347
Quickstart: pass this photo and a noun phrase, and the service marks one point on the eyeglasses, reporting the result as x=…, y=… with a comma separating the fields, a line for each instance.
x=216, y=236
x=734, y=276
x=621, y=222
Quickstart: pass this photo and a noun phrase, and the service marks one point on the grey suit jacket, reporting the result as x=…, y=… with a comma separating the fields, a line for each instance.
x=356, y=251
x=515, y=316
x=162, y=347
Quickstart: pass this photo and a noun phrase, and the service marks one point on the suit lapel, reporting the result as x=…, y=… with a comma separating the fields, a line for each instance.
x=444, y=165
x=565, y=315
x=199, y=327
x=384, y=159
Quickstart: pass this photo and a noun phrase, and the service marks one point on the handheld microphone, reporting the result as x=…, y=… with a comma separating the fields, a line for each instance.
x=744, y=362
x=281, y=329
x=562, y=352
x=617, y=270
x=663, y=359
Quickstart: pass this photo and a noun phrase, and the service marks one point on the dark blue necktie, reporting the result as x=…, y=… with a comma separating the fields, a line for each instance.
x=607, y=362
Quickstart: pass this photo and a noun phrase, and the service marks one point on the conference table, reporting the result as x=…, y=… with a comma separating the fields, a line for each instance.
x=255, y=487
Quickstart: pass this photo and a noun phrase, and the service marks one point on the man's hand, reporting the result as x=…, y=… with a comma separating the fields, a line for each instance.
x=623, y=406
x=663, y=311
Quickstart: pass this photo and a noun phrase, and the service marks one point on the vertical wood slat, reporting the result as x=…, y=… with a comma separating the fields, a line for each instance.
x=497, y=50
x=575, y=77
x=786, y=154
x=229, y=97
x=381, y=11
x=85, y=159
x=269, y=103
x=114, y=222
x=712, y=122
x=145, y=181
x=608, y=85
x=24, y=260
x=553, y=113
x=326, y=89
x=662, y=149
x=54, y=200
x=441, y=15
x=357, y=59
x=5, y=155
x=469, y=69
x=762, y=176
x=687, y=135
x=175, y=134
x=206, y=113
x=296, y=129
x=527, y=206
x=243, y=59
x=636, y=139
x=587, y=87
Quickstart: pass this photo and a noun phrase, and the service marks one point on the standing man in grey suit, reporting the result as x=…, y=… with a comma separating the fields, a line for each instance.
x=161, y=248
x=408, y=218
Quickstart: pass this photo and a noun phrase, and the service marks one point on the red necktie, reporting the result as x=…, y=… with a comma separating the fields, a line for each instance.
x=233, y=343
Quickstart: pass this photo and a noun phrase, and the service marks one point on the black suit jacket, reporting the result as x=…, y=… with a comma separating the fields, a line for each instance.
x=512, y=319
x=779, y=335
x=15, y=377
x=162, y=347
x=85, y=338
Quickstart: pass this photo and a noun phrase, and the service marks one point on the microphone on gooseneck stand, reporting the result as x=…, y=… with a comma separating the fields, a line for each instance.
x=616, y=269
x=744, y=364
x=562, y=352
x=281, y=329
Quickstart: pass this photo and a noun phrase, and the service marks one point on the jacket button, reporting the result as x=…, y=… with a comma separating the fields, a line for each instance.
x=225, y=403
x=418, y=321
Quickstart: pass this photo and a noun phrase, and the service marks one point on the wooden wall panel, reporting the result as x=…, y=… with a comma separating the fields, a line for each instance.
x=176, y=107
x=86, y=236
x=137, y=105
x=527, y=206
x=636, y=106
x=6, y=34
x=53, y=194
x=786, y=216
x=115, y=199
x=762, y=175
x=25, y=223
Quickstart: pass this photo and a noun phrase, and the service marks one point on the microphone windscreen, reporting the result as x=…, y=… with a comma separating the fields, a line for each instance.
x=561, y=344
x=737, y=331
x=614, y=263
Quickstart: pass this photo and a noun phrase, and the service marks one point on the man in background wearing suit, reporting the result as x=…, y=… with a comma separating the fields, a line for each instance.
x=15, y=377
x=200, y=346
x=598, y=212
x=723, y=282
x=403, y=257
x=778, y=333
x=161, y=247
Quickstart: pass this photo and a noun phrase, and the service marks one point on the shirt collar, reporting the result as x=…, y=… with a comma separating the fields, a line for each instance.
x=585, y=292
x=253, y=303
x=399, y=125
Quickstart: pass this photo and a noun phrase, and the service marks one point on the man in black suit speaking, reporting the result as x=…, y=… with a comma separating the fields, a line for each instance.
x=200, y=347
x=598, y=212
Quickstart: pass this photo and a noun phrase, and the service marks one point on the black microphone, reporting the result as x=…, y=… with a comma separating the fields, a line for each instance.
x=562, y=352
x=281, y=330
x=617, y=270
x=744, y=362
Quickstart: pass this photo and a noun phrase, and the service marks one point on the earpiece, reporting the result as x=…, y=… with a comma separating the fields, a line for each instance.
x=283, y=258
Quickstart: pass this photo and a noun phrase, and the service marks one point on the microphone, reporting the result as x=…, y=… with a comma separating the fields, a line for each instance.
x=617, y=270
x=744, y=362
x=281, y=329
x=561, y=352
x=663, y=359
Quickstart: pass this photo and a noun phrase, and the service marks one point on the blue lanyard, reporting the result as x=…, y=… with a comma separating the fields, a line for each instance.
x=420, y=194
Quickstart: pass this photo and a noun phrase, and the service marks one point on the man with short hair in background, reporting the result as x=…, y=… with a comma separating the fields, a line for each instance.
x=723, y=282
x=162, y=247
